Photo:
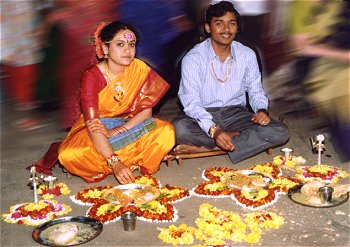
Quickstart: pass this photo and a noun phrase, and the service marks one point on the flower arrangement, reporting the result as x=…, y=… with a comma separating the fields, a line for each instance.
x=267, y=168
x=218, y=227
x=158, y=210
x=288, y=164
x=57, y=190
x=283, y=184
x=253, y=200
x=174, y=235
x=35, y=214
x=321, y=172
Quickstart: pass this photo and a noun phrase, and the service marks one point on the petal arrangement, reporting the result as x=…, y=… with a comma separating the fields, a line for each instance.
x=158, y=210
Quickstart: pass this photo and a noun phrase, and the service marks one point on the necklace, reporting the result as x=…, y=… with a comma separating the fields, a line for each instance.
x=227, y=73
x=118, y=90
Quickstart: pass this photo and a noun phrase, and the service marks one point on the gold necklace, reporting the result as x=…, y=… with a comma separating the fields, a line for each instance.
x=119, y=90
x=227, y=73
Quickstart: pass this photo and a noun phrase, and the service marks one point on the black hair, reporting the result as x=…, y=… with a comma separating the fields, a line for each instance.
x=109, y=31
x=220, y=9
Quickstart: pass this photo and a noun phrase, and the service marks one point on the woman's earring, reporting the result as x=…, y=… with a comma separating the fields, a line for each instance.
x=106, y=54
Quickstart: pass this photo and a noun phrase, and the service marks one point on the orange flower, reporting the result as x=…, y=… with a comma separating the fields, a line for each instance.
x=97, y=38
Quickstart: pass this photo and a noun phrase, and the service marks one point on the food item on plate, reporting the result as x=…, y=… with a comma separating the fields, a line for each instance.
x=117, y=195
x=340, y=189
x=64, y=234
x=311, y=188
x=243, y=180
x=149, y=193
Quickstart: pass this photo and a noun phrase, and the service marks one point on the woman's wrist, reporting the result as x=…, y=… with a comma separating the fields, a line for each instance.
x=112, y=159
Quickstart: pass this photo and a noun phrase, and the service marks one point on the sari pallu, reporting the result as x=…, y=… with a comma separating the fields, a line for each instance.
x=143, y=88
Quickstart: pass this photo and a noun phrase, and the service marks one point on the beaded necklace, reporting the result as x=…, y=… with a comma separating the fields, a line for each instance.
x=227, y=73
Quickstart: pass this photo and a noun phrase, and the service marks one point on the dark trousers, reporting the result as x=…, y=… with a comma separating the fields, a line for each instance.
x=253, y=138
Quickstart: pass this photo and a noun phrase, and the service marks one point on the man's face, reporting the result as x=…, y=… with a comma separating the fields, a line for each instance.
x=223, y=29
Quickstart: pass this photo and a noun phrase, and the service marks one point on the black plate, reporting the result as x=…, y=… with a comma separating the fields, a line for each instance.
x=296, y=196
x=88, y=230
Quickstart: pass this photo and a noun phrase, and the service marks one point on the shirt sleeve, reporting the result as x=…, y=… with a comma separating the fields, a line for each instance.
x=189, y=92
x=90, y=88
x=253, y=84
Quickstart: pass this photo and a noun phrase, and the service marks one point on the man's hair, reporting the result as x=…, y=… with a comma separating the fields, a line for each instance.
x=219, y=9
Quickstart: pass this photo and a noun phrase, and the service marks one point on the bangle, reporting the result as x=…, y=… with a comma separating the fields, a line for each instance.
x=212, y=130
x=111, y=159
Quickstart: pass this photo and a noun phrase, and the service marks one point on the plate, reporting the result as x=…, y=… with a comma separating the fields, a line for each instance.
x=127, y=190
x=88, y=229
x=248, y=186
x=298, y=197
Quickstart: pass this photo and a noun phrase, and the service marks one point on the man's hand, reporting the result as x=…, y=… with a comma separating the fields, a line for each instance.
x=260, y=118
x=223, y=139
x=122, y=173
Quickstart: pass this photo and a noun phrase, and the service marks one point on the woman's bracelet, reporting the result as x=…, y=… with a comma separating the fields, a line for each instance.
x=119, y=129
x=111, y=159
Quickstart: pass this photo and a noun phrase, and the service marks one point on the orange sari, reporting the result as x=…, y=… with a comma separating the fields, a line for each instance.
x=143, y=88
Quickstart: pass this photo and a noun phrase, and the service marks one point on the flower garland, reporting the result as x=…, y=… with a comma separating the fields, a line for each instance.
x=288, y=164
x=321, y=173
x=57, y=190
x=217, y=227
x=35, y=214
x=159, y=210
x=215, y=173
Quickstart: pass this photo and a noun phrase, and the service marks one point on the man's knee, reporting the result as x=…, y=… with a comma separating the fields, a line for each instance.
x=280, y=133
x=182, y=130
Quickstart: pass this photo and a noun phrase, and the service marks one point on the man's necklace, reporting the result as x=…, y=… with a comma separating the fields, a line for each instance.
x=227, y=73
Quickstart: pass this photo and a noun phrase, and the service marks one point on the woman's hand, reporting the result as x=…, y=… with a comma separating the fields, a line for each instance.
x=122, y=173
x=96, y=126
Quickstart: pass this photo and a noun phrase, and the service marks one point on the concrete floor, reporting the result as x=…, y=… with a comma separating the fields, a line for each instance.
x=304, y=226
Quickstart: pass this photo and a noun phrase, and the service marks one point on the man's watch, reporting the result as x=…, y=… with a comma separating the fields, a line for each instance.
x=264, y=111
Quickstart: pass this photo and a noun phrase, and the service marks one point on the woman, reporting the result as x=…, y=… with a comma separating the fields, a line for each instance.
x=116, y=132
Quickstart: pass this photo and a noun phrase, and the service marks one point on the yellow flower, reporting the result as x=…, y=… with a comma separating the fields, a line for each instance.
x=107, y=208
x=177, y=235
x=278, y=160
x=255, y=195
x=215, y=186
x=263, y=169
x=144, y=180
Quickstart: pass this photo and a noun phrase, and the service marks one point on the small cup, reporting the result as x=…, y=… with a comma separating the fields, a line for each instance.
x=287, y=153
x=326, y=194
x=129, y=221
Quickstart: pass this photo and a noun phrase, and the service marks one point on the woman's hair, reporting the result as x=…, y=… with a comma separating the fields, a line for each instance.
x=105, y=33
x=219, y=9
x=109, y=31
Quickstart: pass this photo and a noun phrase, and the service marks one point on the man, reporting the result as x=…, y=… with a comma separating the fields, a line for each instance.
x=216, y=75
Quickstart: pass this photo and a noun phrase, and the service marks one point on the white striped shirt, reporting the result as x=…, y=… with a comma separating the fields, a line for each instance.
x=200, y=89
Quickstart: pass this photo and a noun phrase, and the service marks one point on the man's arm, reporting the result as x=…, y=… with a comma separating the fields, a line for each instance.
x=189, y=92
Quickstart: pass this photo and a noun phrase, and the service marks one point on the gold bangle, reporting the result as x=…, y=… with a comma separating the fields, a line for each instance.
x=111, y=159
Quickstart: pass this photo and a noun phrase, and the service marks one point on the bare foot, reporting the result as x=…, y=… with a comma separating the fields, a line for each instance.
x=188, y=149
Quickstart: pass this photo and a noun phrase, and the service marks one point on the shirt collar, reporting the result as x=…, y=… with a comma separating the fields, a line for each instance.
x=212, y=54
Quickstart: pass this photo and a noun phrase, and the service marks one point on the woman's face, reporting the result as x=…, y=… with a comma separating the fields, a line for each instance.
x=122, y=48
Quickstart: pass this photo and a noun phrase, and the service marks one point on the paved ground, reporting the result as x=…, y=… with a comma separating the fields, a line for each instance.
x=304, y=226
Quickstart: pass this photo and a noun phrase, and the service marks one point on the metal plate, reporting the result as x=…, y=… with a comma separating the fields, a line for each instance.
x=298, y=197
x=88, y=229
x=266, y=177
x=126, y=189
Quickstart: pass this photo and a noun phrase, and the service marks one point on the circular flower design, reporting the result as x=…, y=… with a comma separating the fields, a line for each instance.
x=321, y=172
x=35, y=214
